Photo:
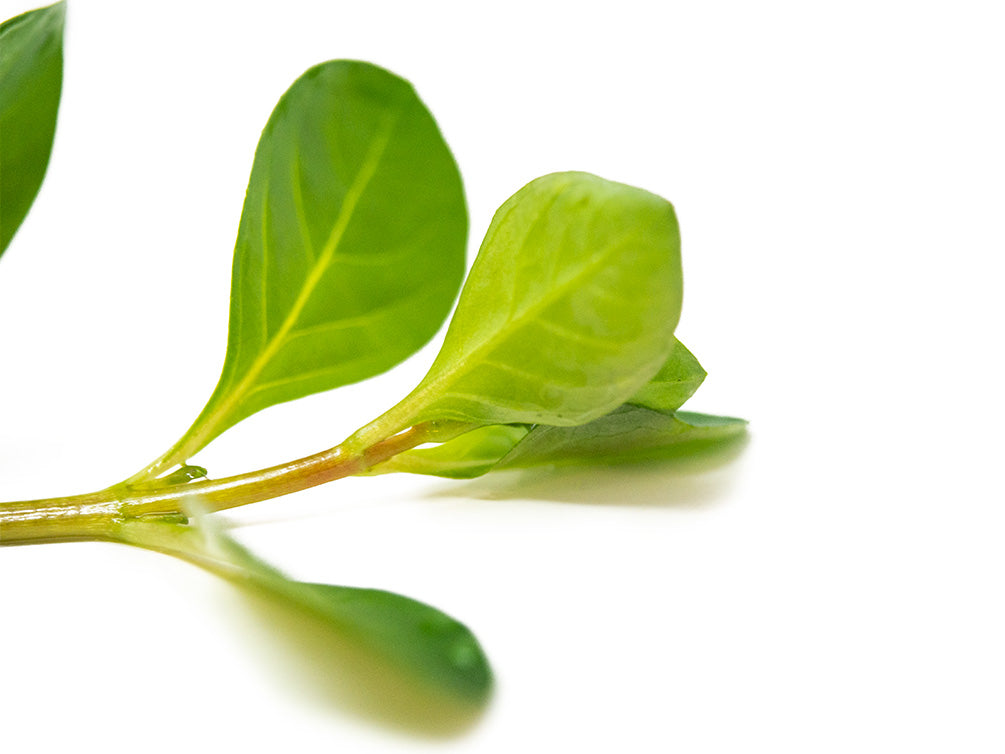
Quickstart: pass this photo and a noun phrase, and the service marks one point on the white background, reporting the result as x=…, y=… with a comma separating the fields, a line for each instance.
x=838, y=173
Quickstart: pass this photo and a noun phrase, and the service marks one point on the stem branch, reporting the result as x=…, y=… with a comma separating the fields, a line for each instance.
x=98, y=515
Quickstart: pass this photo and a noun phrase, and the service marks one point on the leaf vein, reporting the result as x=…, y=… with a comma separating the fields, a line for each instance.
x=356, y=189
x=361, y=319
x=298, y=205
x=521, y=320
x=264, y=305
x=576, y=337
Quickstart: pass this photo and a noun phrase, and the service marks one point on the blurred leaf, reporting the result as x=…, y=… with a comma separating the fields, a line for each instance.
x=428, y=643
x=420, y=640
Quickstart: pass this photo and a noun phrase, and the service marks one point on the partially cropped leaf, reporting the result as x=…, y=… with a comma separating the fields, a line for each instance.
x=31, y=78
x=568, y=310
x=414, y=637
x=673, y=384
x=351, y=245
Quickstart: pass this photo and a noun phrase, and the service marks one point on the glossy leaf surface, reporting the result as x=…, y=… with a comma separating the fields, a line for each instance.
x=568, y=310
x=351, y=245
x=31, y=79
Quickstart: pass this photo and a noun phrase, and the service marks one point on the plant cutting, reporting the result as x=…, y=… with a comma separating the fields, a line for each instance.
x=349, y=256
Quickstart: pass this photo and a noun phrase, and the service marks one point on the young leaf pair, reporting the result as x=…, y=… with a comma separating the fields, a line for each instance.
x=351, y=249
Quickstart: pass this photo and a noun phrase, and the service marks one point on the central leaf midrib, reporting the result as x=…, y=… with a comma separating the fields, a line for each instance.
x=317, y=271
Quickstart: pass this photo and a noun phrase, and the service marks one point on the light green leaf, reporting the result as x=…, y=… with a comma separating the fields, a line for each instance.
x=423, y=642
x=673, y=384
x=476, y=452
x=568, y=310
x=351, y=245
x=31, y=79
x=629, y=434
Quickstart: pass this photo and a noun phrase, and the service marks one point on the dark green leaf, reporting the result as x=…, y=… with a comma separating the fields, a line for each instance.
x=350, y=249
x=420, y=640
x=438, y=649
x=31, y=78
x=568, y=310
x=430, y=644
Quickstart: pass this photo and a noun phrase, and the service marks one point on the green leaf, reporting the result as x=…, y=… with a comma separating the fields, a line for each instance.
x=351, y=244
x=568, y=310
x=629, y=434
x=437, y=648
x=31, y=78
x=476, y=452
x=673, y=384
x=425, y=643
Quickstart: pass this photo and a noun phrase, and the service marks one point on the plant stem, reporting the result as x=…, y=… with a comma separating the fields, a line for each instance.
x=98, y=515
x=58, y=519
